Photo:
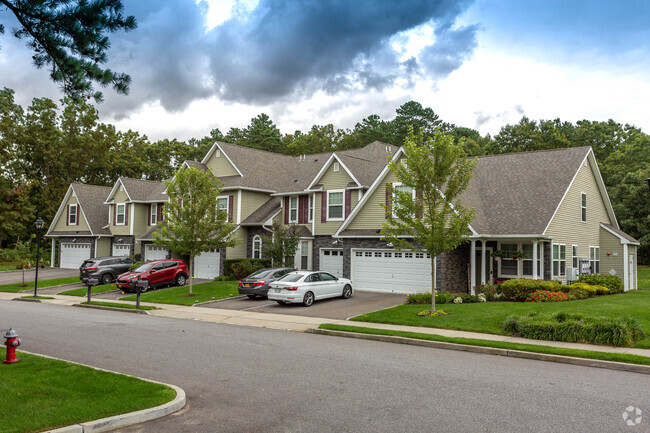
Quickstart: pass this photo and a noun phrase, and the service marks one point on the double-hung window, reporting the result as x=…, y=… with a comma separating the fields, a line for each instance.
x=153, y=217
x=293, y=209
x=257, y=247
x=120, y=210
x=508, y=264
x=398, y=187
x=559, y=260
x=72, y=215
x=594, y=259
x=335, y=205
x=583, y=207
x=222, y=204
x=574, y=255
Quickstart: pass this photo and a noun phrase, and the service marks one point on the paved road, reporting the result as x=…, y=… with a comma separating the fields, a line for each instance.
x=241, y=379
x=334, y=308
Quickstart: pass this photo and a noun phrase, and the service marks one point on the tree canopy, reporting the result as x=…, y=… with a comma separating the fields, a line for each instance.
x=69, y=37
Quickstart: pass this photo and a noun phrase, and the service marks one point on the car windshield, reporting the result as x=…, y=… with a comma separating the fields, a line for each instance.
x=143, y=268
x=259, y=273
x=291, y=278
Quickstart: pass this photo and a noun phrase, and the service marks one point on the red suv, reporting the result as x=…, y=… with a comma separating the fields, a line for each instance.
x=157, y=273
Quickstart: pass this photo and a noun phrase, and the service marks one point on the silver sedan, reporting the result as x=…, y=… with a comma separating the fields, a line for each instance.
x=305, y=287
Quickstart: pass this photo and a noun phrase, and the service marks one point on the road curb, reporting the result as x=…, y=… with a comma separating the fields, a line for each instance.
x=611, y=365
x=26, y=300
x=125, y=419
x=103, y=307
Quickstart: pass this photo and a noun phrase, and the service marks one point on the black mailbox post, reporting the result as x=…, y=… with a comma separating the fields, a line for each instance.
x=90, y=282
x=139, y=285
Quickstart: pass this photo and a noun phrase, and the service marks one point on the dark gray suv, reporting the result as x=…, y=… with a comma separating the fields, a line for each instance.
x=104, y=269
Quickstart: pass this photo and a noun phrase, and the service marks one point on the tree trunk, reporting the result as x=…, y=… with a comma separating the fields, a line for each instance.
x=191, y=276
x=433, y=283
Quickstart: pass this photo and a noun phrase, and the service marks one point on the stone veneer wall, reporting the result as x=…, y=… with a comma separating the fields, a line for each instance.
x=451, y=270
x=77, y=240
x=547, y=261
x=252, y=231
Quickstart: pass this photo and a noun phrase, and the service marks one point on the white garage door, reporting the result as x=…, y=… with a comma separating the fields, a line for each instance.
x=121, y=250
x=332, y=261
x=391, y=271
x=155, y=252
x=73, y=255
x=207, y=264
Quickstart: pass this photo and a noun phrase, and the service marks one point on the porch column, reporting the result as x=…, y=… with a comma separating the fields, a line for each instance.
x=52, y=254
x=483, y=278
x=535, y=260
x=472, y=266
x=541, y=262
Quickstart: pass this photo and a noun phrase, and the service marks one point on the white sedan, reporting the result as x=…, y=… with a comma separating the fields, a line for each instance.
x=305, y=287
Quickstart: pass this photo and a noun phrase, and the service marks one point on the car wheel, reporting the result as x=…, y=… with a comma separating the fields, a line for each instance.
x=308, y=299
x=347, y=292
x=251, y=296
x=107, y=278
x=180, y=280
x=281, y=302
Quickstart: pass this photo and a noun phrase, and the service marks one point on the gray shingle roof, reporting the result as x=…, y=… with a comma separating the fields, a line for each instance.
x=144, y=190
x=621, y=233
x=518, y=193
x=91, y=198
x=263, y=213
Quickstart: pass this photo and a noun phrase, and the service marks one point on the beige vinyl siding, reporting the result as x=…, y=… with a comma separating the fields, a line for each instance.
x=62, y=222
x=250, y=202
x=239, y=251
x=141, y=215
x=567, y=227
x=220, y=166
x=373, y=215
x=331, y=180
x=616, y=260
x=125, y=230
x=103, y=247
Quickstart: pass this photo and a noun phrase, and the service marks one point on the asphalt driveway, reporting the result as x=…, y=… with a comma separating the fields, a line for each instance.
x=11, y=277
x=333, y=308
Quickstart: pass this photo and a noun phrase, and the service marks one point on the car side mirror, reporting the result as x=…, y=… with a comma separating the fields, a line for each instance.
x=152, y=271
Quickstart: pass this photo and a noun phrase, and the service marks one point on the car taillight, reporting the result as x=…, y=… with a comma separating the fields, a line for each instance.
x=241, y=284
x=259, y=283
x=91, y=269
x=290, y=288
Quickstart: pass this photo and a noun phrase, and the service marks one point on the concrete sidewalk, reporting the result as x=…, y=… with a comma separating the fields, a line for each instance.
x=302, y=324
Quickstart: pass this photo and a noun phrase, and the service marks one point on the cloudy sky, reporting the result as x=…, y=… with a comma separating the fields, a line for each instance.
x=202, y=64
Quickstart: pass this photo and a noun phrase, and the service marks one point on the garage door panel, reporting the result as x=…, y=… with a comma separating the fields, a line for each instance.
x=155, y=252
x=332, y=262
x=391, y=271
x=73, y=255
x=121, y=250
x=207, y=265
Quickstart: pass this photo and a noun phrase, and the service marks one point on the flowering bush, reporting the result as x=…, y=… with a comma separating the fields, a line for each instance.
x=490, y=290
x=592, y=289
x=519, y=288
x=458, y=300
x=481, y=297
x=428, y=313
x=546, y=296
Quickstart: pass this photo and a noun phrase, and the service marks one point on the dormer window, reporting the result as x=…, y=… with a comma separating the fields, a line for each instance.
x=120, y=210
x=153, y=217
x=72, y=215
x=336, y=167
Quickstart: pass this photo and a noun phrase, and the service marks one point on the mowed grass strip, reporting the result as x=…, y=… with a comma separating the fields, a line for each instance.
x=489, y=317
x=179, y=295
x=118, y=305
x=9, y=266
x=95, y=289
x=643, y=274
x=603, y=356
x=41, y=393
x=17, y=287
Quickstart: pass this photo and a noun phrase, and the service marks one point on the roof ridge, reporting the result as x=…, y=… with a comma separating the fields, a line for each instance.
x=530, y=151
x=142, y=180
x=254, y=148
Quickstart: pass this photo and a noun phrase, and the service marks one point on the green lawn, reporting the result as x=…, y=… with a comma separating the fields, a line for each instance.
x=17, y=287
x=644, y=277
x=94, y=290
x=202, y=292
x=489, y=317
x=40, y=393
x=36, y=297
x=118, y=305
x=8, y=266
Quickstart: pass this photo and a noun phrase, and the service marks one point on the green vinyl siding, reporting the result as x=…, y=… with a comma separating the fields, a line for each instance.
x=372, y=215
x=238, y=251
x=567, y=226
x=62, y=222
x=611, y=254
x=103, y=247
x=332, y=180
x=120, y=197
x=141, y=218
x=250, y=202
x=220, y=166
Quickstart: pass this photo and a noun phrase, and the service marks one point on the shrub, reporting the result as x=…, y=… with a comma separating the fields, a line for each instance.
x=236, y=269
x=592, y=290
x=425, y=298
x=490, y=290
x=519, y=288
x=468, y=299
x=546, y=296
x=613, y=283
x=575, y=328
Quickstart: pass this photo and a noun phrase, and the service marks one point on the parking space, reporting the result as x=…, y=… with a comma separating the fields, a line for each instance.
x=334, y=308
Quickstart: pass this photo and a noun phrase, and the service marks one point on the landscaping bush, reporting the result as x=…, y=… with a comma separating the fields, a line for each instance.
x=425, y=298
x=518, y=289
x=236, y=269
x=575, y=328
x=490, y=290
x=592, y=290
x=575, y=293
x=546, y=296
x=613, y=283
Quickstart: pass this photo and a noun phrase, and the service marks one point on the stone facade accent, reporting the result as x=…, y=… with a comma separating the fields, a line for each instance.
x=77, y=240
x=548, y=259
x=251, y=232
x=452, y=270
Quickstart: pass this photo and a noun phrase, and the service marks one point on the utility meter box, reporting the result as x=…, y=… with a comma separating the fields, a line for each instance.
x=572, y=274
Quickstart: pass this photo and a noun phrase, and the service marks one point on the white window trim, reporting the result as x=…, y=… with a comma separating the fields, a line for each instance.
x=336, y=167
x=594, y=248
x=395, y=185
x=583, y=194
x=117, y=214
x=153, y=216
x=576, y=256
x=520, y=262
x=217, y=153
x=291, y=208
x=76, y=214
x=333, y=191
x=558, y=260
x=227, y=198
x=310, y=211
x=257, y=238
